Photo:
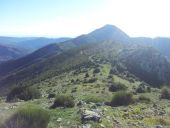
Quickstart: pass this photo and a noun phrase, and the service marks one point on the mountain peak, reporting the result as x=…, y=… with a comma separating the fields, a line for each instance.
x=109, y=26
x=111, y=33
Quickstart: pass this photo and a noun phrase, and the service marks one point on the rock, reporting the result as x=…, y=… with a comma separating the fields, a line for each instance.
x=59, y=120
x=99, y=104
x=105, y=109
x=161, y=113
x=102, y=126
x=93, y=106
x=87, y=115
x=100, y=112
x=81, y=103
x=159, y=126
x=86, y=126
x=116, y=121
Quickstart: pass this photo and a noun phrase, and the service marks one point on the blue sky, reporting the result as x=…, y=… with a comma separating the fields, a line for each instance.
x=56, y=18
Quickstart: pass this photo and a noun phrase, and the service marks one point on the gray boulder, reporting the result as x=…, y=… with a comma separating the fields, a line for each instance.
x=87, y=115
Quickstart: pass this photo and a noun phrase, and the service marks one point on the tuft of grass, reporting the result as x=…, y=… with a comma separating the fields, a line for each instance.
x=165, y=93
x=116, y=86
x=63, y=101
x=157, y=121
x=94, y=99
x=51, y=95
x=28, y=116
x=142, y=88
x=23, y=93
x=122, y=98
x=144, y=99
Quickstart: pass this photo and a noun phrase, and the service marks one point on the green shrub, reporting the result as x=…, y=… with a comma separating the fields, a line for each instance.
x=117, y=87
x=92, y=80
x=86, y=75
x=23, y=93
x=51, y=95
x=165, y=93
x=63, y=101
x=113, y=71
x=74, y=90
x=121, y=98
x=144, y=99
x=28, y=116
x=131, y=80
x=143, y=88
x=0, y=99
x=96, y=70
x=72, y=81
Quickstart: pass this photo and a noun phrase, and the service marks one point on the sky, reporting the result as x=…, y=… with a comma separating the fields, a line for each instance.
x=71, y=18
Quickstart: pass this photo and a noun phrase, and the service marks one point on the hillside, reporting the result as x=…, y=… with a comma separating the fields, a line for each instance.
x=160, y=43
x=54, y=49
x=30, y=43
x=147, y=64
x=48, y=62
x=12, y=48
x=97, y=80
x=10, y=53
x=39, y=42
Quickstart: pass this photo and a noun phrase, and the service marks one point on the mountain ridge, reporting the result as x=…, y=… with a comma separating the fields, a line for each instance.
x=78, y=52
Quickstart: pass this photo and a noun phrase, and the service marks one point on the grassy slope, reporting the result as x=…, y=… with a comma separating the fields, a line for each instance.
x=129, y=116
x=57, y=75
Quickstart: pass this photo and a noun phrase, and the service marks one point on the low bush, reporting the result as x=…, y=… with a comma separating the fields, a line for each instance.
x=117, y=87
x=96, y=70
x=122, y=98
x=28, y=116
x=165, y=93
x=143, y=88
x=63, y=101
x=144, y=99
x=86, y=75
x=74, y=90
x=23, y=93
x=92, y=80
x=51, y=95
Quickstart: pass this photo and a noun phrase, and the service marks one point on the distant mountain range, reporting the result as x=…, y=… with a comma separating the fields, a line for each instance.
x=15, y=47
x=160, y=43
x=108, y=45
x=8, y=52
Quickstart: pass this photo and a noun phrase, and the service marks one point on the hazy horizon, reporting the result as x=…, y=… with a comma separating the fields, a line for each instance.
x=71, y=18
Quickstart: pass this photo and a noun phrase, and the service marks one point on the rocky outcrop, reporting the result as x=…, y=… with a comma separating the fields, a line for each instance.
x=87, y=115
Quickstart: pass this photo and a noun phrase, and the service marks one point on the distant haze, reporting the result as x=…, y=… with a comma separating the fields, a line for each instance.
x=56, y=18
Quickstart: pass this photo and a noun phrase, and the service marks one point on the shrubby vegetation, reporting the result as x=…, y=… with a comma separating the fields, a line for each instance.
x=144, y=99
x=165, y=93
x=122, y=98
x=63, y=101
x=143, y=88
x=86, y=75
x=28, y=116
x=93, y=99
x=51, y=95
x=117, y=87
x=96, y=70
x=92, y=80
x=23, y=93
